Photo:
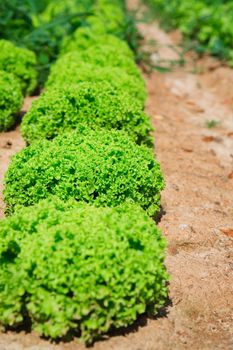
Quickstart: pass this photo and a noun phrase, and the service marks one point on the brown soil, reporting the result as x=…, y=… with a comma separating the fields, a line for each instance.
x=197, y=203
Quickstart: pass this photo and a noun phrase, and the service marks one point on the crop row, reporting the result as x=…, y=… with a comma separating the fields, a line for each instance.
x=209, y=23
x=79, y=252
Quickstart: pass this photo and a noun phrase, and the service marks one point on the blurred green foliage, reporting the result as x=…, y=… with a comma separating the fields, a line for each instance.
x=41, y=26
x=10, y=101
x=20, y=62
x=207, y=23
x=17, y=16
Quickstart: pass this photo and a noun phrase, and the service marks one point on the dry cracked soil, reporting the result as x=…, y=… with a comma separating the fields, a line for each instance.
x=197, y=215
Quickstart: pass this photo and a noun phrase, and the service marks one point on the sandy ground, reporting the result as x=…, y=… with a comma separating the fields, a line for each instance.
x=197, y=203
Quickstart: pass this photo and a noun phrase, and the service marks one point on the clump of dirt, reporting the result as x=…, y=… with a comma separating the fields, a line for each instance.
x=192, y=111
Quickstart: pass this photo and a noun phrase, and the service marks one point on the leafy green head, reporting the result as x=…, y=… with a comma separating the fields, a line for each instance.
x=72, y=267
x=75, y=72
x=84, y=38
x=20, y=62
x=100, y=166
x=97, y=104
x=103, y=55
x=59, y=8
x=10, y=101
x=107, y=18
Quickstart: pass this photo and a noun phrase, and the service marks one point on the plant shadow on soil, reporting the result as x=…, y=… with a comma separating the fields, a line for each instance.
x=142, y=321
x=17, y=121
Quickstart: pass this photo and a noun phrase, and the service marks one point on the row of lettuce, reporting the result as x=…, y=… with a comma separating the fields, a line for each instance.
x=36, y=33
x=79, y=252
x=208, y=23
x=41, y=26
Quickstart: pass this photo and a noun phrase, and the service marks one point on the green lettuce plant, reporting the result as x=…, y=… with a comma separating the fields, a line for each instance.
x=74, y=268
x=20, y=62
x=84, y=38
x=107, y=18
x=102, y=55
x=114, y=18
x=11, y=99
x=75, y=72
x=104, y=167
x=97, y=104
x=57, y=8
